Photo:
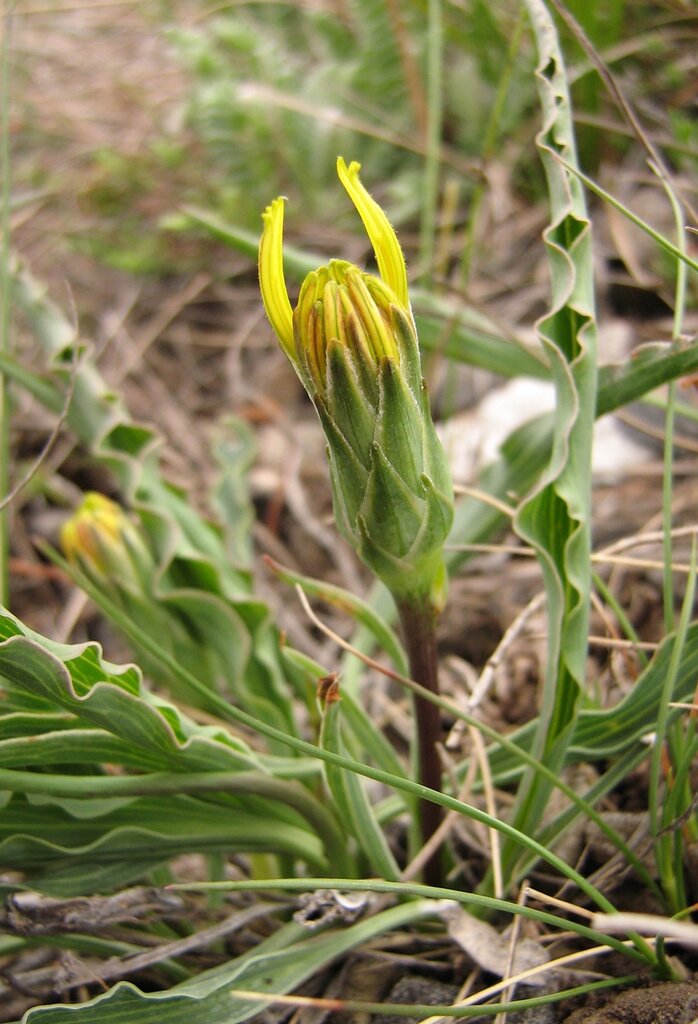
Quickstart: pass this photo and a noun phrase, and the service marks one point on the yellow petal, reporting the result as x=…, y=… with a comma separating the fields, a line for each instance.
x=271, y=276
x=391, y=262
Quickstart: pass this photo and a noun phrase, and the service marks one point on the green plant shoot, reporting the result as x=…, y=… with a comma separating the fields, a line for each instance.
x=353, y=343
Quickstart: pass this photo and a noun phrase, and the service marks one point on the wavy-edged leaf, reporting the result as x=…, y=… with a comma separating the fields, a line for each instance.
x=556, y=517
x=65, y=854
x=112, y=719
x=601, y=734
x=275, y=966
x=77, y=680
x=196, y=577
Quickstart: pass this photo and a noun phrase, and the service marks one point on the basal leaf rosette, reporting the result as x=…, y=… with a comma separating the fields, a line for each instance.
x=353, y=343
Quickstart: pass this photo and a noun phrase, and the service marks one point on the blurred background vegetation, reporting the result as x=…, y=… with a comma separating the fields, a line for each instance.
x=123, y=115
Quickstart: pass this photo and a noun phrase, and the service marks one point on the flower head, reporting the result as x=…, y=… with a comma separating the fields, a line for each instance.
x=333, y=293
x=353, y=343
x=101, y=540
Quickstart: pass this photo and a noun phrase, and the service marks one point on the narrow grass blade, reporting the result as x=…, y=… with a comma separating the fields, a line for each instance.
x=347, y=789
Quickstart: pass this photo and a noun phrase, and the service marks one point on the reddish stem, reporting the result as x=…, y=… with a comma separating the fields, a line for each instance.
x=418, y=621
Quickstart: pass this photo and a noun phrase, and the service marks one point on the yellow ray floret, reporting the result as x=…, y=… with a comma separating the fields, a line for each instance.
x=391, y=266
x=391, y=262
x=271, y=276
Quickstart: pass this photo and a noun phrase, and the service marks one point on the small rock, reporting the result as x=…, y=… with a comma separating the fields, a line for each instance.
x=673, y=1002
x=416, y=989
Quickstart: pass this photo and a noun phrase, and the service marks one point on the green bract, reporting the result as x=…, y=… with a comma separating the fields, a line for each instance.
x=353, y=343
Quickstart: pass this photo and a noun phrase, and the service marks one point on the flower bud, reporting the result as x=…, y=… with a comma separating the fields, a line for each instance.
x=101, y=541
x=353, y=343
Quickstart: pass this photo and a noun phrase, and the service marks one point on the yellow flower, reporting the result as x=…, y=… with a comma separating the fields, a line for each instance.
x=100, y=539
x=353, y=343
x=96, y=527
x=337, y=302
x=391, y=262
x=271, y=275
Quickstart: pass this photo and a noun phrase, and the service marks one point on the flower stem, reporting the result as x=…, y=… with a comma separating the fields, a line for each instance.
x=418, y=622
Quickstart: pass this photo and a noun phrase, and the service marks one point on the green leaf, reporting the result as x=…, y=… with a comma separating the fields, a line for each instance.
x=109, y=820
x=76, y=746
x=608, y=733
x=235, y=452
x=278, y=964
x=118, y=705
x=556, y=517
x=649, y=367
x=192, y=553
x=66, y=855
